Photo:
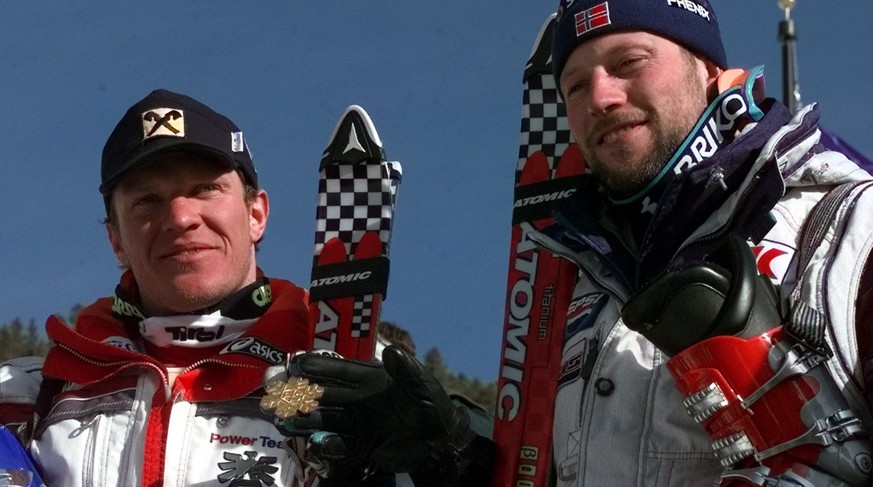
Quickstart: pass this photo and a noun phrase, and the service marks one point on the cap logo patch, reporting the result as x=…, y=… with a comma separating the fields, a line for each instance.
x=163, y=121
x=592, y=18
x=237, y=142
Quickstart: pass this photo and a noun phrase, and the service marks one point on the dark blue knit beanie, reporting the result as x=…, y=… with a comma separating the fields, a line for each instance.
x=691, y=23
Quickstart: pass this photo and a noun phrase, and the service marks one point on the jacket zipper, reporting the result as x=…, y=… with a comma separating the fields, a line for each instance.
x=88, y=476
x=164, y=378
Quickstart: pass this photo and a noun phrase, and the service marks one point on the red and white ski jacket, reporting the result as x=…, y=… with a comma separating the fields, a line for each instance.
x=116, y=419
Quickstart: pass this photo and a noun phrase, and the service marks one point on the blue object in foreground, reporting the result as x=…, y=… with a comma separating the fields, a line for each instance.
x=16, y=468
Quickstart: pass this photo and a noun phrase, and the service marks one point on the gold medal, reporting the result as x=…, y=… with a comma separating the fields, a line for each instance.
x=295, y=396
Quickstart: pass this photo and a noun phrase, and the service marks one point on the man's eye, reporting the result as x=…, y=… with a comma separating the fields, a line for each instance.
x=208, y=188
x=576, y=87
x=630, y=64
x=146, y=200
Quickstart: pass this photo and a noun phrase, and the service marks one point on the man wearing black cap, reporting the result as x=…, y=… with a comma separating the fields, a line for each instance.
x=183, y=203
x=681, y=365
x=159, y=384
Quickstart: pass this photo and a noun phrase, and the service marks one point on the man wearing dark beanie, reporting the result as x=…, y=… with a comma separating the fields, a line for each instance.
x=700, y=230
x=720, y=333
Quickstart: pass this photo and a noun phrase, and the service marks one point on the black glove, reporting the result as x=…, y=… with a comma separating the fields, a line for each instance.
x=393, y=417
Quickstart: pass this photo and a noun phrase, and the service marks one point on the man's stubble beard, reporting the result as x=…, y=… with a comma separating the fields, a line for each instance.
x=626, y=178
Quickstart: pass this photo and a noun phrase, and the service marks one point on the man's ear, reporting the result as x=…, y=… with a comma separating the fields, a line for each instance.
x=116, y=243
x=711, y=72
x=259, y=210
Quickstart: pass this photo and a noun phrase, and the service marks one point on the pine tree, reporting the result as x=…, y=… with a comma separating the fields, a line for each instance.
x=19, y=340
x=480, y=393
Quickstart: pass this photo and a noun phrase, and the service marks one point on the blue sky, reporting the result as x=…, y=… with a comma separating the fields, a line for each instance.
x=441, y=81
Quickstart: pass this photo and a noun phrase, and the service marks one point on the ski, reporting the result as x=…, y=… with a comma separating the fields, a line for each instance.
x=539, y=285
x=357, y=192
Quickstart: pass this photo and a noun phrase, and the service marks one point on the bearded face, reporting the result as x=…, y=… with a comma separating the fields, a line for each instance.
x=632, y=98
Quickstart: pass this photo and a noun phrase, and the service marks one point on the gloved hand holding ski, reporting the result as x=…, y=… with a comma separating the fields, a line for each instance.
x=393, y=417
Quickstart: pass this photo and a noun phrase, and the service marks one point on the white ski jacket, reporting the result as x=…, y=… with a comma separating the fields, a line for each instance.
x=619, y=419
x=117, y=420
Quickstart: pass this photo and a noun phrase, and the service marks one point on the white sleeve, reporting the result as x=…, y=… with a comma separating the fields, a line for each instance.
x=20, y=379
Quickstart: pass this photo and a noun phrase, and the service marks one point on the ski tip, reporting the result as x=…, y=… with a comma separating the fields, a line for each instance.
x=572, y=163
x=371, y=245
x=535, y=170
x=354, y=140
x=333, y=251
x=540, y=61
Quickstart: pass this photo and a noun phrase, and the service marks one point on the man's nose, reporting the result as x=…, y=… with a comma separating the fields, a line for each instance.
x=606, y=92
x=182, y=213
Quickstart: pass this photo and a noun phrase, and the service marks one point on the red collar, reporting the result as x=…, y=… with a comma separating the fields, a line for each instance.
x=83, y=356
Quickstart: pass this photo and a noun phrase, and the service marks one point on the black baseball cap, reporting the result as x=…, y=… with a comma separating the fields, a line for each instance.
x=164, y=121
